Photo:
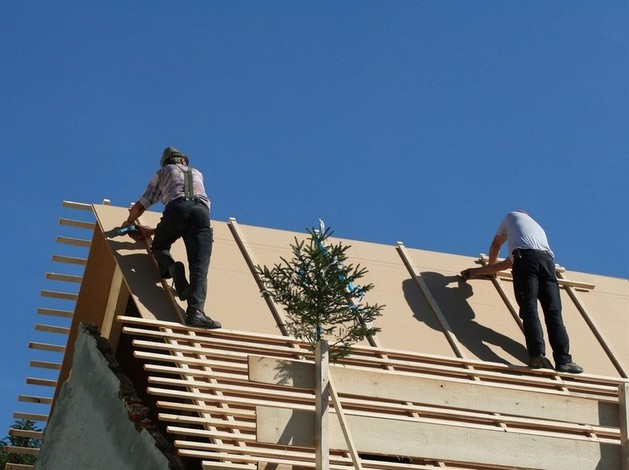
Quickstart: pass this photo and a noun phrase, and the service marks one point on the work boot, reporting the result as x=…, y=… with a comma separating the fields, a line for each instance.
x=178, y=272
x=540, y=362
x=195, y=317
x=569, y=367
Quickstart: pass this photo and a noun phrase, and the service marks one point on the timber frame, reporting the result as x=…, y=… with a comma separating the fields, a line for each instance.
x=425, y=393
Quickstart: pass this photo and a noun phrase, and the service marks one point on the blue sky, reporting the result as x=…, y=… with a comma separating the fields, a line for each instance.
x=418, y=121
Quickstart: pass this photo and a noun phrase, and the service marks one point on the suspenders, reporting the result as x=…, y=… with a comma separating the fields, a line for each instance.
x=188, y=191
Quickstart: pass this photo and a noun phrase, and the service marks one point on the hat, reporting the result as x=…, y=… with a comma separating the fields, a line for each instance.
x=170, y=152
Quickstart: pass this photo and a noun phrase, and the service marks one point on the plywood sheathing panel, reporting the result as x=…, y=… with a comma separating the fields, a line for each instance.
x=476, y=313
x=138, y=268
x=233, y=297
x=407, y=322
x=608, y=307
x=474, y=310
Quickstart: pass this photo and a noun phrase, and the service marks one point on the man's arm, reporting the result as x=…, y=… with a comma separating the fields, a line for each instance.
x=492, y=267
x=134, y=214
x=471, y=273
x=494, y=249
x=142, y=231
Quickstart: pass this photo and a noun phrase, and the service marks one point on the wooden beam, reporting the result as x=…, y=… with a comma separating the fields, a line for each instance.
x=26, y=433
x=32, y=399
x=247, y=426
x=230, y=400
x=596, y=331
x=77, y=205
x=623, y=393
x=64, y=277
x=322, y=403
x=416, y=363
x=245, y=390
x=429, y=441
x=74, y=241
x=501, y=292
x=340, y=414
x=45, y=365
x=46, y=347
x=55, y=312
x=52, y=329
x=211, y=340
x=32, y=416
x=506, y=275
x=22, y=450
x=441, y=318
x=227, y=466
x=59, y=295
x=247, y=413
x=442, y=392
x=18, y=466
x=247, y=253
x=77, y=223
x=42, y=382
x=69, y=260
x=116, y=304
x=212, y=433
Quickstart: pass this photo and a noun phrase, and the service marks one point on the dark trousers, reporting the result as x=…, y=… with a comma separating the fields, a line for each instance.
x=534, y=278
x=188, y=219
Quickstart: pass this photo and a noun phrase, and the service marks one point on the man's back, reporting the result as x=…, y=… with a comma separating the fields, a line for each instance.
x=522, y=232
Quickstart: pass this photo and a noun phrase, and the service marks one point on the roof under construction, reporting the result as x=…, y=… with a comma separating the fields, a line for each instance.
x=444, y=384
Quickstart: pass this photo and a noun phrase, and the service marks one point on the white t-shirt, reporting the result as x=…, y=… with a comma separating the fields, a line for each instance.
x=523, y=232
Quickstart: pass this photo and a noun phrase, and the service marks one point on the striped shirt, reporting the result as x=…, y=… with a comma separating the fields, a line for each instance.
x=168, y=184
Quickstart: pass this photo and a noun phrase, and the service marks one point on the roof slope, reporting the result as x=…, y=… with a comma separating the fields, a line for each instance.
x=429, y=309
x=434, y=325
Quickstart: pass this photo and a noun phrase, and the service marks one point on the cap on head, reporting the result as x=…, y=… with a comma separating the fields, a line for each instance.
x=170, y=152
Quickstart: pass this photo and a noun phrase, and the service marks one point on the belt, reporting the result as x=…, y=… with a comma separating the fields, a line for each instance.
x=183, y=199
x=522, y=252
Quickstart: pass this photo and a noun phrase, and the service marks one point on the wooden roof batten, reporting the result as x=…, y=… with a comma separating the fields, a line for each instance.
x=242, y=392
x=63, y=330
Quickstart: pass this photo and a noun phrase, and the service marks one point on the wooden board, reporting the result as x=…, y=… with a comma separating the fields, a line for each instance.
x=440, y=442
x=465, y=395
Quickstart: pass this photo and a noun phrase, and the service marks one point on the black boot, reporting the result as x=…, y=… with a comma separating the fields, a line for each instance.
x=195, y=317
x=178, y=272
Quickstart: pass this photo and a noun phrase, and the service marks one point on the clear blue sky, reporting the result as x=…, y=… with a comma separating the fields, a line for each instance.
x=419, y=121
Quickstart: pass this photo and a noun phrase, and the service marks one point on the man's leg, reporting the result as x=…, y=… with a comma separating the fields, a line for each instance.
x=198, y=240
x=550, y=299
x=169, y=229
x=525, y=287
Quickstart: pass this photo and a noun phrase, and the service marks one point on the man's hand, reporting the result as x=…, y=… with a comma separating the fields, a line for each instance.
x=468, y=273
x=141, y=232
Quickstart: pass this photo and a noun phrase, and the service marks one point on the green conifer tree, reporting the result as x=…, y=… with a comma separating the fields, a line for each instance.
x=19, y=441
x=320, y=294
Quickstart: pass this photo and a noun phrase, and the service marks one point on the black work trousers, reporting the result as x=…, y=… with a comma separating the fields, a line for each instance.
x=186, y=218
x=534, y=278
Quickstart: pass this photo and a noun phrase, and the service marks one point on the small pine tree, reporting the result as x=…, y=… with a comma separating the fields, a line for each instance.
x=319, y=292
x=18, y=441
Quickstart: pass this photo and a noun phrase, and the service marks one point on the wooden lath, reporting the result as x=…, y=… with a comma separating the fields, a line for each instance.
x=74, y=241
x=63, y=330
x=217, y=387
x=18, y=466
x=596, y=331
x=235, y=346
